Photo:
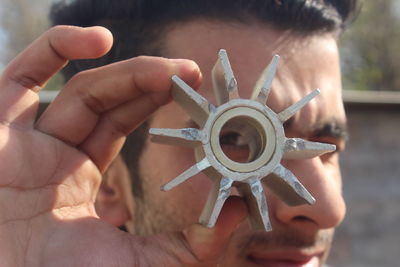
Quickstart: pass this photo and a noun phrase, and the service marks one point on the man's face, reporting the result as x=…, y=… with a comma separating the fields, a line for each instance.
x=300, y=234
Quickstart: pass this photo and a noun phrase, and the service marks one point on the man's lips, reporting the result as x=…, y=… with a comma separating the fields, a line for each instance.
x=285, y=259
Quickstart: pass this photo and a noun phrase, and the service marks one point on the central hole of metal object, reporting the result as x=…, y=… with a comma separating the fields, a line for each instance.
x=242, y=139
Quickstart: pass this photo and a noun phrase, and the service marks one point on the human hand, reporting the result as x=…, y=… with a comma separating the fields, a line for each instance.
x=50, y=170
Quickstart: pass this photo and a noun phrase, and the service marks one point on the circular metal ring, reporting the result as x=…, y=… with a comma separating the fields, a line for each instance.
x=262, y=125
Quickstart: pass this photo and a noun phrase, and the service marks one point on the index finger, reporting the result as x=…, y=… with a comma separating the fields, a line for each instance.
x=50, y=52
x=41, y=60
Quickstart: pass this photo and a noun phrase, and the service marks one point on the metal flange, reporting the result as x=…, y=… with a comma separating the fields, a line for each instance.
x=257, y=126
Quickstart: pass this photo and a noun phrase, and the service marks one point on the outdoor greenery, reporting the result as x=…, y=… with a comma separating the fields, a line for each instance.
x=370, y=48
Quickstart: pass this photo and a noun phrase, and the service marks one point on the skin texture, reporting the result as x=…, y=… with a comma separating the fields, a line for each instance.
x=300, y=234
x=51, y=169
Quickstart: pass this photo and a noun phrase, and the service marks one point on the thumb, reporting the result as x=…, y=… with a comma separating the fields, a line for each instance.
x=198, y=245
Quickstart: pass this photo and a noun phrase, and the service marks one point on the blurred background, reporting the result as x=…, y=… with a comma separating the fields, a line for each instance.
x=370, y=235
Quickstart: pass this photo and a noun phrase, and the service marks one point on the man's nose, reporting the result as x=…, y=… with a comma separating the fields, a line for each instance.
x=324, y=183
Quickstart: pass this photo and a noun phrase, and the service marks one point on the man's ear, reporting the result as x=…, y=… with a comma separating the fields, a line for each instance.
x=114, y=202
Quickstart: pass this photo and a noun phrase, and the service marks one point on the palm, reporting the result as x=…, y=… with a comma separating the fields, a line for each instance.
x=57, y=182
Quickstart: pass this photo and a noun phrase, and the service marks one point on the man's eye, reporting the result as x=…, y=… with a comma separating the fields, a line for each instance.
x=330, y=157
x=234, y=147
x=229, y=139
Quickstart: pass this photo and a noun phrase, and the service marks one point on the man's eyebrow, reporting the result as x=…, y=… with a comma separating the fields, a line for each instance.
x=333, y=129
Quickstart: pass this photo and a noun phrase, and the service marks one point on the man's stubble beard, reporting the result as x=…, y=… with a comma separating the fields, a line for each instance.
x=152, y=217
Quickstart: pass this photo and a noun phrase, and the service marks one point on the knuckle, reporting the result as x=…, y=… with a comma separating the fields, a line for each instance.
x=155, y=64
x=120, y=128
x=83, y=86
x=153, y=72
x=25, y=81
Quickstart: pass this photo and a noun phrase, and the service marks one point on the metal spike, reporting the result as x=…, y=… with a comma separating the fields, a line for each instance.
x=192, y=171
x=246, y=176
x=195, y=105
x=297, y=148
x=217, y=196
x=263, y=86
x=290, y=111
x=189, y=137
x=285, y=184
x=253, y=193
x=224, y=82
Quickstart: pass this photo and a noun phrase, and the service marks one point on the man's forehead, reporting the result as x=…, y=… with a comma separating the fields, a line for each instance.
x=201, y=40
x=250, y=48
x=306, y=63
x=238, y=38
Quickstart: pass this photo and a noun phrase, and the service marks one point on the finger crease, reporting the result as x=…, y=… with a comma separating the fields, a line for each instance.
x=56, y=52
x=119, y=128
x=92, y=102
x=26, y=81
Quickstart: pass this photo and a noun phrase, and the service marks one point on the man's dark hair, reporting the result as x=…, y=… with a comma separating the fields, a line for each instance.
x=138, y=27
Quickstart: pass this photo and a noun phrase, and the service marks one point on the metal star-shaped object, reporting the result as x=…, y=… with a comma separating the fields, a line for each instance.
x=257, y=127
